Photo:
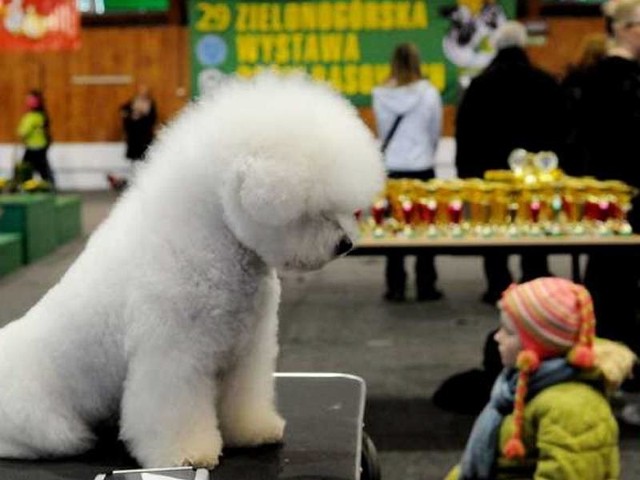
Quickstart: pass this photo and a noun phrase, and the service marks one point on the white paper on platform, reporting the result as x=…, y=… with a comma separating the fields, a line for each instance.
x=156, y=476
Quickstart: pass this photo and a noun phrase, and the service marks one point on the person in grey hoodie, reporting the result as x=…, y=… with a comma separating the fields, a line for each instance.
x=409, y=146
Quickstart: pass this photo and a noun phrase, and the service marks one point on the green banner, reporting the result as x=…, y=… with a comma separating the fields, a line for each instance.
x=347, y=43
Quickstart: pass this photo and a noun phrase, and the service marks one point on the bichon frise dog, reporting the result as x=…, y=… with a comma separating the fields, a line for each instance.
x=169, y=316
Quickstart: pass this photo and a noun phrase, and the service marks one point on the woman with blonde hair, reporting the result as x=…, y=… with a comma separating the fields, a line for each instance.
x=593, y=48
x=408, y=113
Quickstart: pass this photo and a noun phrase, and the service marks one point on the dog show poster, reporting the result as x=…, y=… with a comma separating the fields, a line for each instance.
x=346, y=43
x=39, y=25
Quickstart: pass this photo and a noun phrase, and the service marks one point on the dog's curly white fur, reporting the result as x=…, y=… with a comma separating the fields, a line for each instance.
x=169, y=316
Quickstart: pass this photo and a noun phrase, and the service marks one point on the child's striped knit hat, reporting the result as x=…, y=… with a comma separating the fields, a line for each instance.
x=553, y=317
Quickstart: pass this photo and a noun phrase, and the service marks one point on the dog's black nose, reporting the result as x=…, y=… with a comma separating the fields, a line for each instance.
x=343, y=246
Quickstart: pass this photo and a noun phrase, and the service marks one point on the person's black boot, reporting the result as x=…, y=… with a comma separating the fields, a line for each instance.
x=394, y=296
x=429, y=295
x=490, y=297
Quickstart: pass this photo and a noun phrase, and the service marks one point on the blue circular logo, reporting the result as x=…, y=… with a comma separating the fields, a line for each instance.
x=211, y=50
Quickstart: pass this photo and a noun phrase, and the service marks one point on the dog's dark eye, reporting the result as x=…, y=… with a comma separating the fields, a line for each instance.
x=326, y=216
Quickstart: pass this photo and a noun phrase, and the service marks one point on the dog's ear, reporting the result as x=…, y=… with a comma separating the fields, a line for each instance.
x=271, y=192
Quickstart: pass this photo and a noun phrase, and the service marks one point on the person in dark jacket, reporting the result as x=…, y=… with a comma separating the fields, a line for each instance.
x=608, y=126
x=510, y=105
x=594, y=48
x=139, y=118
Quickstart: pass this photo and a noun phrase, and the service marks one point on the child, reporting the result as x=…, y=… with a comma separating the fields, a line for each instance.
x=34, y=131
x=548, y=416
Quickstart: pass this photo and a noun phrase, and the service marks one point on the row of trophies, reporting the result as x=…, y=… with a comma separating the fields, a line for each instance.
x=534, y=198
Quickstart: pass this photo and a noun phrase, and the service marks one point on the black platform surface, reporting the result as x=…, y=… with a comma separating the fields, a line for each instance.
x=323, y=435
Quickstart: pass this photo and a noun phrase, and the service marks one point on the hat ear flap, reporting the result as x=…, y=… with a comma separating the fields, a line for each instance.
x=527, y=362
x=270, y=193
x=582, y=354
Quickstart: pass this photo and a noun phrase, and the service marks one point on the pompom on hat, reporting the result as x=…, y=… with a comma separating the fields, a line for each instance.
x=552, y=317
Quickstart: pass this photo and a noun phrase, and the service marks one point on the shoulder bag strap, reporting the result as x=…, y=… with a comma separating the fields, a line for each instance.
x=389, y=136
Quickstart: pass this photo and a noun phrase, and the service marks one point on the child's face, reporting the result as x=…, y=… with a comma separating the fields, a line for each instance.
x=32, y=102
x=508, y=341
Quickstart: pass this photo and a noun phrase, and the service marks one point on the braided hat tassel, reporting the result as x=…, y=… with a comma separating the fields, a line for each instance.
x=528, y=361
x=582, y=355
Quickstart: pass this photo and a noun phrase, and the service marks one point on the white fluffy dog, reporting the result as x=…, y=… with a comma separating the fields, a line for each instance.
x=169, y=316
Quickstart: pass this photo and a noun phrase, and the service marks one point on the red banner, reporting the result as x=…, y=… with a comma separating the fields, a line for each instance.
x=39, y=25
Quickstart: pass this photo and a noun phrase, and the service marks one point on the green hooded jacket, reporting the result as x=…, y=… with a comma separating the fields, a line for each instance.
x=568, y=430
x=32, y=130
x=569, y=433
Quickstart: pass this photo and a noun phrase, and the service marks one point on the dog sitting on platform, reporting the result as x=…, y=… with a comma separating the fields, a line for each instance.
x=168, y=318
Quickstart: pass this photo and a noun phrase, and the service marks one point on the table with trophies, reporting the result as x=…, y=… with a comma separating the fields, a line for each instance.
x=531, y=207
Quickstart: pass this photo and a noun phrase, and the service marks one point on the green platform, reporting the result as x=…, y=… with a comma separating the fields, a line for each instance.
x=68, y=218
x=10, y=252
x=33, y=216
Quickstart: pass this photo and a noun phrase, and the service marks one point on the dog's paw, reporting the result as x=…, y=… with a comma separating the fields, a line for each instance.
x=254, y=430
x=207, y=462
x=202, y=450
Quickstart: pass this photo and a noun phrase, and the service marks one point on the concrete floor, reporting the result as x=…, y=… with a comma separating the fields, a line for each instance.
x=335, y=321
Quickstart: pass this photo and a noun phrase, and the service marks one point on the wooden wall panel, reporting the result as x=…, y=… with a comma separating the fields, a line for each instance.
x=564, y=42
x=154, y=56
x=158, y=57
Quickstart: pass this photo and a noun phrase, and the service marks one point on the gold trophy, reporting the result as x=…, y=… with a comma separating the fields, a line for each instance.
x=454, y=212
x=598, y=207
x=535, y=206
x=623, y=194
x=546, y=166
x=480, y=206
x=451, y=199
x=407, y=208
x=579, y=196
x=513, y=208
x=519, y=163
x=378, y=211
x=556, y=204
x=427, y=209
